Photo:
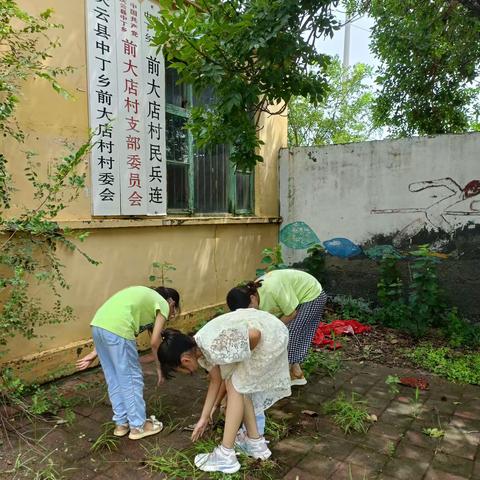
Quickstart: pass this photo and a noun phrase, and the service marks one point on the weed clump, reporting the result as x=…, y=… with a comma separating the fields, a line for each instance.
x=330, y=362
x=458, y=367
x=350, y=415
x=106, y=441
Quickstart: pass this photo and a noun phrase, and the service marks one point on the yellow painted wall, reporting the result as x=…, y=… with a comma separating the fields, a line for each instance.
x=48, y=119
x=211, y=254
x=274, y=133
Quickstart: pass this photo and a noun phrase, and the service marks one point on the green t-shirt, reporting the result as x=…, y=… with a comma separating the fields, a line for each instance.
x=283, y=290
x=130, y=311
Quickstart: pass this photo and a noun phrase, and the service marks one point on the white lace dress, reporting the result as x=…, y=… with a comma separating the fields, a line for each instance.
x=263, y=373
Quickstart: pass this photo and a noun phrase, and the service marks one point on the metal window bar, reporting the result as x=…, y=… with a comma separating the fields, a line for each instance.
x=212, y=180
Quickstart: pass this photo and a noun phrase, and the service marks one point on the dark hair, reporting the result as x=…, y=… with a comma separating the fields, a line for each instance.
x=167, y=293
x=239, y=297
x=174, y=345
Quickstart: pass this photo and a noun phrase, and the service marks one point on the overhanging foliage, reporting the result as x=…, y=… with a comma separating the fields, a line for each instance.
x=254, y=54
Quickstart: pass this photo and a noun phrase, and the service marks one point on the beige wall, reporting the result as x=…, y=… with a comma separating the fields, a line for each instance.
x=274, y=133
x=50, y=120
x=210, y=254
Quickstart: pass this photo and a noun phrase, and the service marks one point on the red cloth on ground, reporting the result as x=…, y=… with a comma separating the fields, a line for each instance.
x=415, y=382
x=325, y=332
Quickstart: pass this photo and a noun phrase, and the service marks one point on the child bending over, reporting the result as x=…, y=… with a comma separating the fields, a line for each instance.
x=248, y=349
x=114, y=328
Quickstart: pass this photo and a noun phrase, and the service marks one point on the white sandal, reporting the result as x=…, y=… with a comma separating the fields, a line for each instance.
x=121, y=430
x=138, y=433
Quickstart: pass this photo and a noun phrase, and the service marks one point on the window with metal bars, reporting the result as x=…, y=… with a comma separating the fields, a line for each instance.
x=198, y=180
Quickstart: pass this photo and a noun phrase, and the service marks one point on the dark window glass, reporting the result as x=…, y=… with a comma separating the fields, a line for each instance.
x=177, y=186
x=177, y=162
x=175, y=94
x=176, y=139
x=212, y=180
x=243, y=192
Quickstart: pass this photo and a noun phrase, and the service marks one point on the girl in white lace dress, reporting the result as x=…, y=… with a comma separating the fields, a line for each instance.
x=248, y=349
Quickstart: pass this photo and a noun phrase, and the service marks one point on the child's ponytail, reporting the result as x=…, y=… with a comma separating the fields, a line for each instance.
x=252, y=287
x=239, y=297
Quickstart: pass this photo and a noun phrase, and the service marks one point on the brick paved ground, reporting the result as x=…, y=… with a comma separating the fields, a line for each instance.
x=393, y=448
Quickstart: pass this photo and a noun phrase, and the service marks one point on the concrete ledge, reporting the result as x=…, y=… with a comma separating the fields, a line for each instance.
x=59, y=362
x=166, y=222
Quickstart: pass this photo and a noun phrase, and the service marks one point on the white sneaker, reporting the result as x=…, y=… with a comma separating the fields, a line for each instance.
x=220, y=460
x=256, y=448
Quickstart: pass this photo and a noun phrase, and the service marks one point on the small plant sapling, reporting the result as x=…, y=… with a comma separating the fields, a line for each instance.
x=272, y=258
x=160, y=273
x=416, y=404
x=390, y=449
x=392, y=381
x=434, y=432
x=331, y=362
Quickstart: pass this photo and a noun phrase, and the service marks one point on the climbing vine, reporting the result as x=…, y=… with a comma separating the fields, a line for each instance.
x=30, y=238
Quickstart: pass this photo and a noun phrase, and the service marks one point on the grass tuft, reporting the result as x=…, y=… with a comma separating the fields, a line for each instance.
x=330, y=362
x=175, y=463
x=106, y=441
x=349, y=415
x=275, y=430
x=457, y=367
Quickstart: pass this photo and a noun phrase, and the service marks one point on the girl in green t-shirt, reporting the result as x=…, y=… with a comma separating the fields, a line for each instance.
x=114, y=328
x=297, y=298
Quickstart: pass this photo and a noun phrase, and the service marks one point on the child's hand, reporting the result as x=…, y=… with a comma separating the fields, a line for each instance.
x=160, y=378
x=85, y=362
x=200, y=428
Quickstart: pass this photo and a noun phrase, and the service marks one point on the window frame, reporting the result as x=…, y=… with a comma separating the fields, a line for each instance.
x=232, y=187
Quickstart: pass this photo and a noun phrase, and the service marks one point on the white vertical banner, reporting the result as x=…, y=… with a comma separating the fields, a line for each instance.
x=131, y=115
x=103, y=106
x=153, y=85
x=126, y=87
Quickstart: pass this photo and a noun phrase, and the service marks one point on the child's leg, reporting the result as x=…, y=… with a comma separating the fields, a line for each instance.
x=253, y=444
x=233, y=415
x=249, y=418
x=130, y=377
x=104, y=345
x=302, y=330
x=260, y=418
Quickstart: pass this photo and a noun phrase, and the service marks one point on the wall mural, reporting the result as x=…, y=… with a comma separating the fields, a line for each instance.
x=299, y=236
x=451, y=207
x=447, y=212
